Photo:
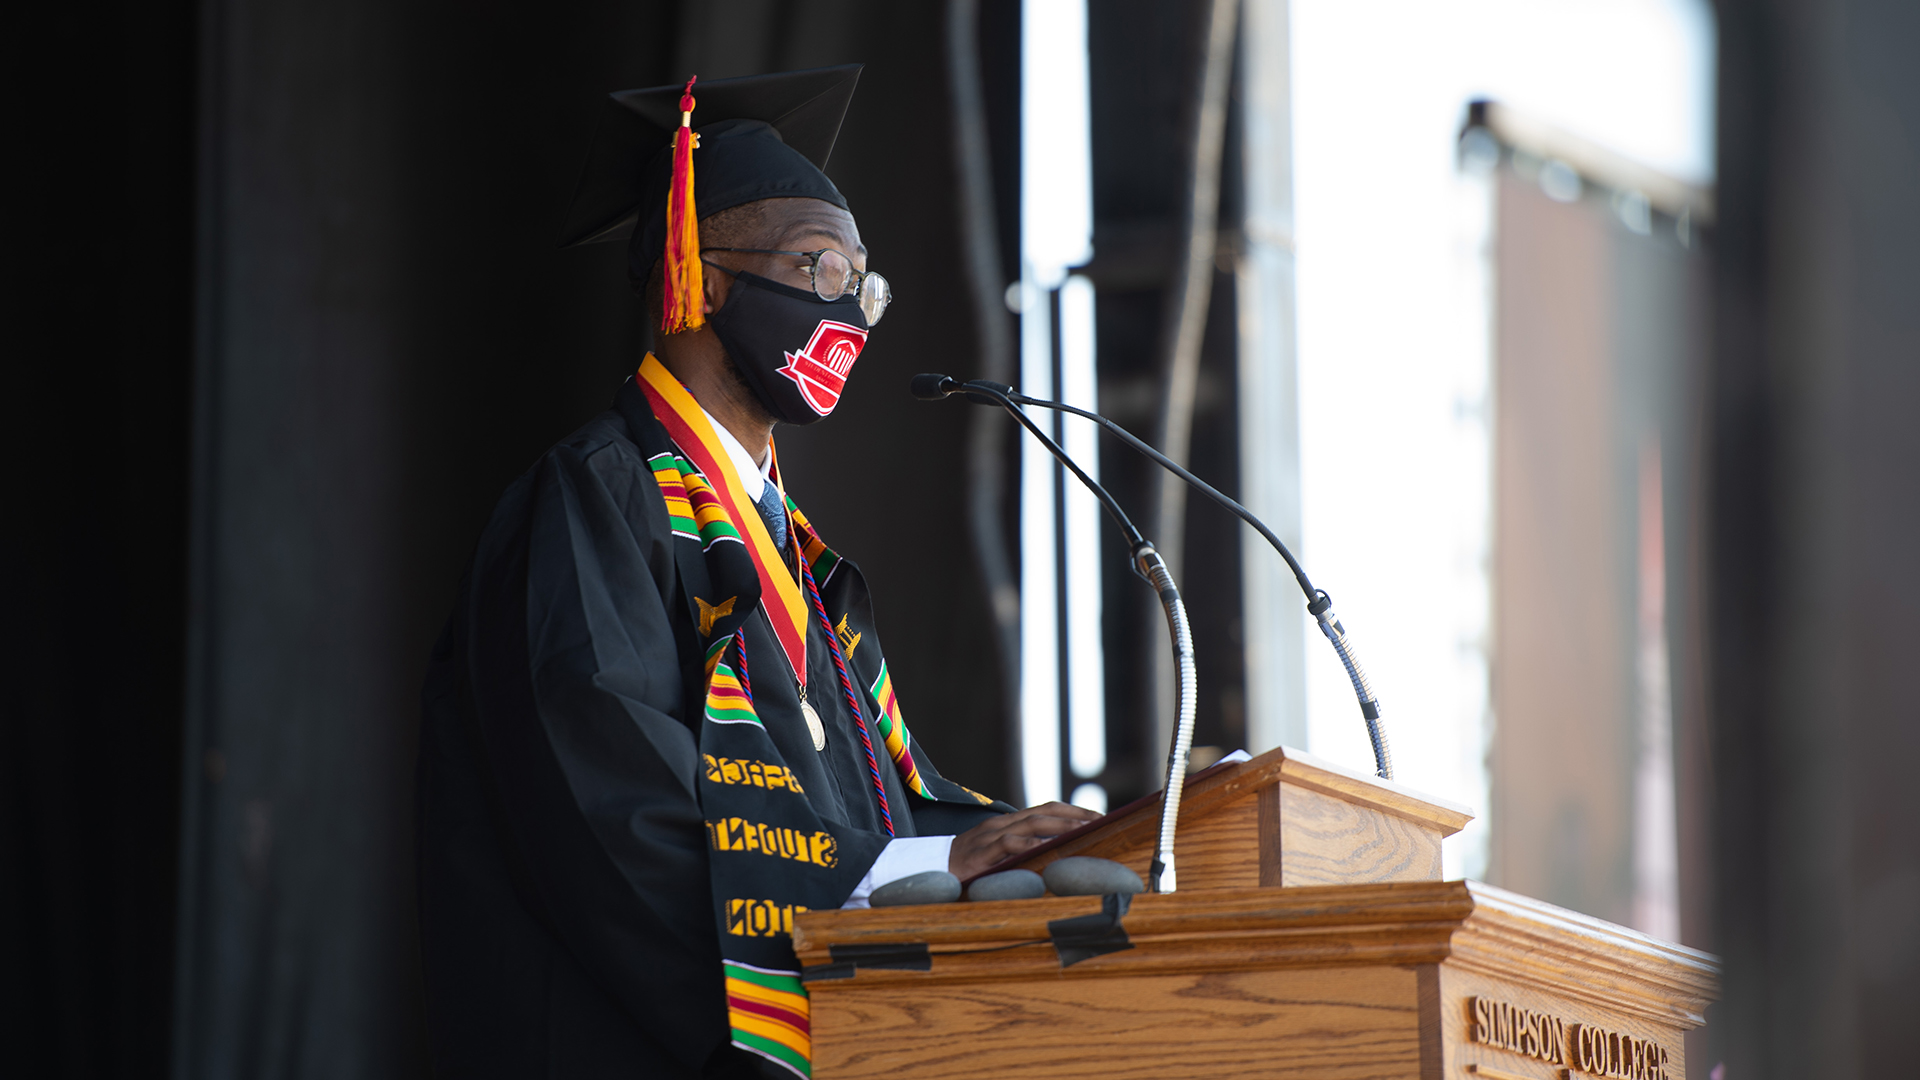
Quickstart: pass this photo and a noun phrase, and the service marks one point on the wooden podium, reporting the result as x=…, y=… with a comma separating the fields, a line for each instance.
x=1311, y=936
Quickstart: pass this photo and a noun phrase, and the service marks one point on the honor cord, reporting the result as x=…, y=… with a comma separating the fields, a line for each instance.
x=846, y=684
x=740, y=655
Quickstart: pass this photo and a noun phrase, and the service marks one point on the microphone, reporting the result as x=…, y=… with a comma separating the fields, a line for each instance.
x=1149, y=567
x=930, y=387
x=1319, y=604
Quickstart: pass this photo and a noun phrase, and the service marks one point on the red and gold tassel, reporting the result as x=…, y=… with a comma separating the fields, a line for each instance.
x=684, y=292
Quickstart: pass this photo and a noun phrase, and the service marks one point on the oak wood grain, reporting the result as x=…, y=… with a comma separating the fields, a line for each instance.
x=1281, y=913
x=1218, y=849
x=1433, y=1034
x=1354, y=1023
x=1328, y=840
x=1272, y=862
x=1465, y=924
x=1531, y=943
x=1492, y=1073
x=1373, y=980
x=1130, y=833
x=1567, y=1002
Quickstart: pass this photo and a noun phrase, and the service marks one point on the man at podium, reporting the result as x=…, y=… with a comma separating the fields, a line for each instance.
x=660, y=723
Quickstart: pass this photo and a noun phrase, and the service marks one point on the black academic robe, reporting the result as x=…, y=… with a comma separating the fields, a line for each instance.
x=568, y=925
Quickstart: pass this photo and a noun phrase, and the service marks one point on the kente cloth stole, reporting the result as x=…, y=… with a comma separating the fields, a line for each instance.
x=892, y=728
x=695, y=513
x=771, y=856
x=687, y=425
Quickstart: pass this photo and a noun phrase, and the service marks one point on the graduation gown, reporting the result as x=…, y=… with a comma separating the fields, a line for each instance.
x=569, y=786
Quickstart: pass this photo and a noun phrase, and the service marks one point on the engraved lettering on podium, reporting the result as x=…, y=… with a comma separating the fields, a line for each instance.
x=1579, y=1048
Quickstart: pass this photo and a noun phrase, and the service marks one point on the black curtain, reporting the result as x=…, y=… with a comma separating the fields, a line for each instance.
x=98, y=299
x=392, y=335
x=289, y=314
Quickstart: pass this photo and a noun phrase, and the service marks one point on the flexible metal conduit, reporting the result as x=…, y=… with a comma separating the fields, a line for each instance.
x=1154, y=569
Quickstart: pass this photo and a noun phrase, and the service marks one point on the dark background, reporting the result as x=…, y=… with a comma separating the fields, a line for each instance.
x=286, y=314
x=290, y=314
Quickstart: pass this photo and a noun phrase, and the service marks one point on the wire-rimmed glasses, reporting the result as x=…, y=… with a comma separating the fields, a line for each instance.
x=833, y=276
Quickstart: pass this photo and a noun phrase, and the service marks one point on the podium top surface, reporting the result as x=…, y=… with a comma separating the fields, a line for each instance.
x=1212, y=788
x=1284, y=764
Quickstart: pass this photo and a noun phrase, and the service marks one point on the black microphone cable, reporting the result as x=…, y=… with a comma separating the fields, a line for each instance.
x=932, y=387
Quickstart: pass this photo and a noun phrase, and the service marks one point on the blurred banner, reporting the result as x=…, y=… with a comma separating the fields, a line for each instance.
x=1599, y=305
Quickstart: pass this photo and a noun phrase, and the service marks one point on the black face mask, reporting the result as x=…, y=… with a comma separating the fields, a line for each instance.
x=795, y=349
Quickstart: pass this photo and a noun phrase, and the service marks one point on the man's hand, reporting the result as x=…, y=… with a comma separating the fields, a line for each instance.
x=1009, y=834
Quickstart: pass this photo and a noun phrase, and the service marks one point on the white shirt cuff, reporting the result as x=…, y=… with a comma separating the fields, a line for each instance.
x=902, y=857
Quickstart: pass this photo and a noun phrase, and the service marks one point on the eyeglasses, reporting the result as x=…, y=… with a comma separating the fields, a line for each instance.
x=833, y=276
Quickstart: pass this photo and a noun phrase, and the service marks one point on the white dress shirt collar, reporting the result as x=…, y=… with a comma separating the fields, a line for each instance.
x=745, y=472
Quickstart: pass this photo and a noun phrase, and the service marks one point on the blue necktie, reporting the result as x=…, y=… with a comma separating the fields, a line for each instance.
x=774, y=513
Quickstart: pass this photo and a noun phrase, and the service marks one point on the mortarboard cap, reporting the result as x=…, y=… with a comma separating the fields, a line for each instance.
x=761, y=137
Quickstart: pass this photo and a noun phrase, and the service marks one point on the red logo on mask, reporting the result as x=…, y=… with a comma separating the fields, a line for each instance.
x=820, y=370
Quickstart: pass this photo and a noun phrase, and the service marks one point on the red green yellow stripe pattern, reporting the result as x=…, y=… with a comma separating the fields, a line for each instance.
x=708, y=514
x=769, y=1013
x=666, y=473
x=687, y=425
x=820, y=558
x=692, y=506
x=727, y=701
x=894, y=731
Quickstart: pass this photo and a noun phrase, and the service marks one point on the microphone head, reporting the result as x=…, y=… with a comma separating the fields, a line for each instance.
x=931, y=387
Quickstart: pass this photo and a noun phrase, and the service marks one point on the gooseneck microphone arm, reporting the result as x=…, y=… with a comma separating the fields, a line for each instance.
x=1146, y=563
x=1167, y=463
x=1319, y=604
x=1119, y=516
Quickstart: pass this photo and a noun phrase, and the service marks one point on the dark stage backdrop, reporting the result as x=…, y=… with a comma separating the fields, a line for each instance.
x=389, y=336
x=1144, y=69
x=285, y=315
x=288, y=314
x=98, y=257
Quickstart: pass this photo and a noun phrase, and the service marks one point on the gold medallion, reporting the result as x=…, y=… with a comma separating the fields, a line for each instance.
x=814, y=726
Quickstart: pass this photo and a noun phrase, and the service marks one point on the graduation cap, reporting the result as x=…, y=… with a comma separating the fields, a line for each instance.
x=758, y=137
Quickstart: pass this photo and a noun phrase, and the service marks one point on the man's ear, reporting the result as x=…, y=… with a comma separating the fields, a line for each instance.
x=714, y=286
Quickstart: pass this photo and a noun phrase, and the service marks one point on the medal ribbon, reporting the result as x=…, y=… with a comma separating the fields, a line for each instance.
x=687, y=424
